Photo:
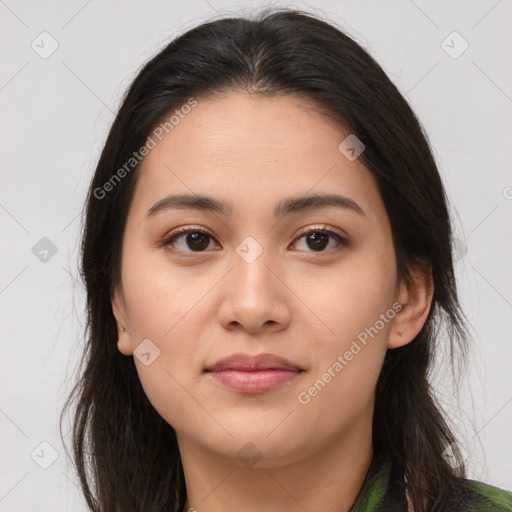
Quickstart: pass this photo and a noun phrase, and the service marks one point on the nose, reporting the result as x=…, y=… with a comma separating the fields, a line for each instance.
x=255, y=296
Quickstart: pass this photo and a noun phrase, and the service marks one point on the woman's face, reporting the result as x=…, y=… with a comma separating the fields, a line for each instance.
x=250, y=280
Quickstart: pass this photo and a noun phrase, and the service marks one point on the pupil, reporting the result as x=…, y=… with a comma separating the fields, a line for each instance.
x=196, y=239
x=314, y=238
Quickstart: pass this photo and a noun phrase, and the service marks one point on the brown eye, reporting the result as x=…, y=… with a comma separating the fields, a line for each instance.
x=195, y=240
x=318, y=239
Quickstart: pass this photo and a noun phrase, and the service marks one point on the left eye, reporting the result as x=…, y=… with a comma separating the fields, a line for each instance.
x=198, y=240
x=317, y=239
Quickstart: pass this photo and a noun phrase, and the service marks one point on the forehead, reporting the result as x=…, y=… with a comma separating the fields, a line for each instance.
x=250, y=124
x=244, y=149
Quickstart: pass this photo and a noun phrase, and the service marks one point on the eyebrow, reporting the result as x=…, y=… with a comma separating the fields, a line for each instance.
x=284, y=207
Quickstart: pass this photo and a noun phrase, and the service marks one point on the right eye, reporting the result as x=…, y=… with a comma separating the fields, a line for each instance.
x=196, y=239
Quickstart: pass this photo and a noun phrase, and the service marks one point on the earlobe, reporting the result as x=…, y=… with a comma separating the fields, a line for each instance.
x=124, y=344
x=416, y=299
x=119, y=310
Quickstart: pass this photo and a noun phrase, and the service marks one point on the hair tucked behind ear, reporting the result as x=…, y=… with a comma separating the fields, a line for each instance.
x=126, y=455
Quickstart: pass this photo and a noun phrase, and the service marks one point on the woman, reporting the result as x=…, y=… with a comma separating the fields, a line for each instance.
x=267, y=257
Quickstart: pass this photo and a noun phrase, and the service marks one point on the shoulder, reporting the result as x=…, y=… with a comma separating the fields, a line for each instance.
x=481, y=497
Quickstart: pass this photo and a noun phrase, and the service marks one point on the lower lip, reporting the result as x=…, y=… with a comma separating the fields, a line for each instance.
x=254, y=382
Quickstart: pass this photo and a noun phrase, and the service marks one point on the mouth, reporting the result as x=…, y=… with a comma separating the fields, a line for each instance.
x=258, y=374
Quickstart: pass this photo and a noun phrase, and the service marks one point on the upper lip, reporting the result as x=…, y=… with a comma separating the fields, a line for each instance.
x=247, y=362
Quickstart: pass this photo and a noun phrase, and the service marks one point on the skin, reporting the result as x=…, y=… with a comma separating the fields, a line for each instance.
x=302, y=304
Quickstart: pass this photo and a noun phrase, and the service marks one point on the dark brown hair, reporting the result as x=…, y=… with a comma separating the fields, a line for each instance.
x=125, y=453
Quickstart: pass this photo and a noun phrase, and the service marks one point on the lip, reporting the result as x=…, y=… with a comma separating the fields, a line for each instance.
x=247, y=363
x=253, y=374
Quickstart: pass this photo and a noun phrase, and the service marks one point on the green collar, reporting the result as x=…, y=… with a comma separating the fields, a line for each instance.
x=373, y=491
x=377, y=495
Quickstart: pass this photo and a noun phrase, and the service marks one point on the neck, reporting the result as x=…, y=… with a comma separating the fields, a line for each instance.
x=327, y=481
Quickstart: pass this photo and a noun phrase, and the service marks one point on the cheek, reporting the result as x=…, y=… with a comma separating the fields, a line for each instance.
x=166, y=305
x=357, y=293
x=170, y=325
x=358, y=314
x=340, y=398
x=341, y=384
x=159, y=297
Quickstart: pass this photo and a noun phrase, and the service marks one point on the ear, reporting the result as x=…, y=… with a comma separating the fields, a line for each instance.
x=416, y=299
x=119, y=309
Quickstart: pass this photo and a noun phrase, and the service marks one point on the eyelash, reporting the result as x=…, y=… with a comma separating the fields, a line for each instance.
x=168, y=240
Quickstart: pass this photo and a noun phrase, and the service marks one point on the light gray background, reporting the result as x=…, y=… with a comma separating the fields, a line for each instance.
x=54, y=119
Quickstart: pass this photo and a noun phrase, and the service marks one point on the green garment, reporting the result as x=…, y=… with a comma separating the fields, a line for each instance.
x=381, y=495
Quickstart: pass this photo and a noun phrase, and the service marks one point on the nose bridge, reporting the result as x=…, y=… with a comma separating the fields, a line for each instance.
x=254, y=296
x=251, y=265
